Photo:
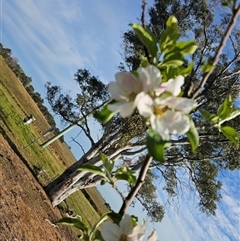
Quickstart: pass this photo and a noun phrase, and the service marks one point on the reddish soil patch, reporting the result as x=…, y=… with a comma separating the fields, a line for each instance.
x=26, y=213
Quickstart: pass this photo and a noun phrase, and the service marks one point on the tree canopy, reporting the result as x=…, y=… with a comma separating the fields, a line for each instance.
x=125, y=138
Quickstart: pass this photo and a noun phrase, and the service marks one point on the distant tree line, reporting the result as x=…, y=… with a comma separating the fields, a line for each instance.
x=13, y=64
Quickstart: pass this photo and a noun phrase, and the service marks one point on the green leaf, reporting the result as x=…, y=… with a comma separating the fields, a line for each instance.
x=206, y=115
x=116, y=218
x=172, y=23
x=93, y=169
x=148, y=38
x=155, y=146
x=231, y=134
x=186, y=71
x=174, y=63
x=170, y=35
x=192, y=135
x=207, y=66
x=144, y=62
x=124, y=173
x=108, y=164
x=172, y=59
x=168, y=40
x=172, y=56
x=73, y=222
x=104, y=115
x=209, y=117
x=168, y=72
x=233, y=115
x=187, y=47
x=226, y=108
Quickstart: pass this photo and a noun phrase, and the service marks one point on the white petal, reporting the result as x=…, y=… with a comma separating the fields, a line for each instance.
x=173, y=85
x=110, y=231
x=150, y=78
x=158, y=125
x=115, y=91
x=125, y=108
x=137, y=233
x=127, y=83
x=144, y=104
x=153, y=236
x=154, y=75
x=181, y=104
x=126, y=224
x=175, y=122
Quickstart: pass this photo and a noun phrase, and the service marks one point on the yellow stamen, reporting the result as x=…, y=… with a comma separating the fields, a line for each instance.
x=159, y=111
x=123, y=237
x=132, y=96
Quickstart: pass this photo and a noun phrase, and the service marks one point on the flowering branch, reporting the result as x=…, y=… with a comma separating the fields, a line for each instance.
x=219, y=51
x=138, y=185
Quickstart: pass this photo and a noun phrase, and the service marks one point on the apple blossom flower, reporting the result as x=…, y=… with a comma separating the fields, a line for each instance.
x=167, y=112
x=173, y=86
x=128, y=86
x=124, y=232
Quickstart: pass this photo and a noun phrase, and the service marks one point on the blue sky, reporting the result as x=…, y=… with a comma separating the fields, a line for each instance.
x=52, y=39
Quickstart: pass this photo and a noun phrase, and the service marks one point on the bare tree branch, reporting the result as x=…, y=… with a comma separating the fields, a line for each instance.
x=218, y=52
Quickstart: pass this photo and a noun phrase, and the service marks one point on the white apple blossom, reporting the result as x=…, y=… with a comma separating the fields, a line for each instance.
x=124, y=232
x=167, y=112
x=128, y=86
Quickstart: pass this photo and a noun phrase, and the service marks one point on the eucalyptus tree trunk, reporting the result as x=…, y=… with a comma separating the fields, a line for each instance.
x=72, y=179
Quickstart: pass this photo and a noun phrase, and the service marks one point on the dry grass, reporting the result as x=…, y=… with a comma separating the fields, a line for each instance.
x=15, y=104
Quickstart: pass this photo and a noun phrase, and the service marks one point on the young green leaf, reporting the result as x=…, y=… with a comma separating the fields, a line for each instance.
x=233, y=115
x=186, y=71
x=226, y=108
x=155, y=146
x=104, y=115
x=144, y=62
x=206, y=115
x=148, y=38
x=172, y=23
x=174, y=63
x=207, y=66
x=172, y=56
x=187, y=47
x=124, y=173
x=231, y=134
x=73, y=222
x=93, y=169
x=170, y=35
x=192, y=135
x=108, y=164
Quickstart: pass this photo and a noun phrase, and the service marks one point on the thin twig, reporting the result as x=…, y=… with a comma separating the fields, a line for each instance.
x=219, y=51
x=138, y=185
x=119, y=192
x=143, y=14
x=78, y=144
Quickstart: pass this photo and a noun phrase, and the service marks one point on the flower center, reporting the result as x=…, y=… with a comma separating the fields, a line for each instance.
x=159, y=111
x=123, y=237
x=132, y=96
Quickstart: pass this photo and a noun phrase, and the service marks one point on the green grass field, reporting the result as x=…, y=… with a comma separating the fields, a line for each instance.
x=15, y=104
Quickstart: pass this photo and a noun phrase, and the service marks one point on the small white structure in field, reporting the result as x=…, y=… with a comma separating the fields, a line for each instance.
x=28, y=120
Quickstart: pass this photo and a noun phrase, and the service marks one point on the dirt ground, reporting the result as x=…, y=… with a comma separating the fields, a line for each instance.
x=26, y=213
